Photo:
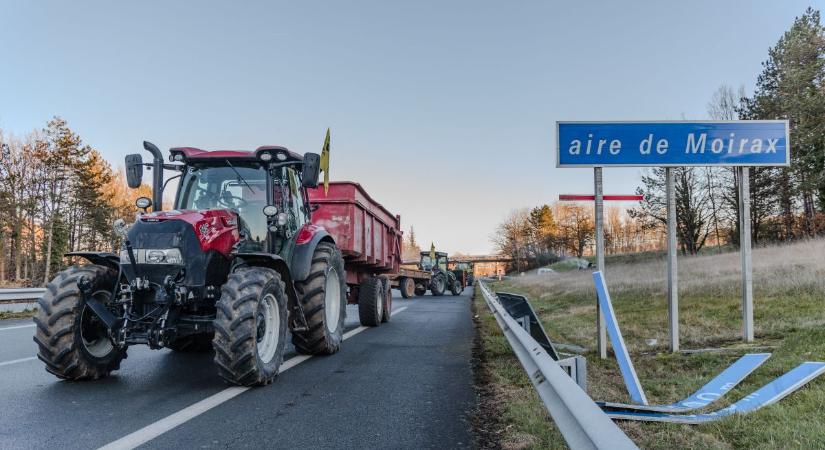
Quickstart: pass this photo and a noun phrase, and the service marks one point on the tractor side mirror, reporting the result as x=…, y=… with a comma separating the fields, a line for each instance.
x=134, y=170
x=311, y=171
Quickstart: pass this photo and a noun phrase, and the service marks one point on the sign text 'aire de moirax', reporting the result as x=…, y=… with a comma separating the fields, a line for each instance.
x=673, y=143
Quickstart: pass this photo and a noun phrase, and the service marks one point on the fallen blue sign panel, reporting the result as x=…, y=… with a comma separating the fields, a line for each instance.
x=708, y=393
x=768, y=394
x=674, y=143
x=634, y=388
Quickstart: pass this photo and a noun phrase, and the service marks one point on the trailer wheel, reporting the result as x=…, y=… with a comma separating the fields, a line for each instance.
x=72, y=341
x=386, y=312
x=420, y=290
x=438, y=284
x=323, y=299
x=250, y=327
x=407, y=287
x=370, y=302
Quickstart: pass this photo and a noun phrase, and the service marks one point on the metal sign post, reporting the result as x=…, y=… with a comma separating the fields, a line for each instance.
x=672, y=268
x=598, y=201
x=599, y=211
x=685, y=143
x=745, y=248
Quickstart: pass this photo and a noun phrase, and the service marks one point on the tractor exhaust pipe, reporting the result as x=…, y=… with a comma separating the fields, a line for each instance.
x=157, y=175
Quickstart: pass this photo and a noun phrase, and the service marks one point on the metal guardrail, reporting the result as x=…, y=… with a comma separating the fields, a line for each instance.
x=581, y=422
x=24, y=295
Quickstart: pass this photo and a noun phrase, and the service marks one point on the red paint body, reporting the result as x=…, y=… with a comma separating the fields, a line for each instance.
x=216, y=229
x=368, y=235
x=575, y=197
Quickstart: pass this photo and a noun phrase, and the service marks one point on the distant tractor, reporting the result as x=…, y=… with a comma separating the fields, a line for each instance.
x=235, y=266
x=442, y=279
x=464, y=269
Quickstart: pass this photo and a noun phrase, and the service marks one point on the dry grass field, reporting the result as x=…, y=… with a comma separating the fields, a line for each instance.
x=789, y=305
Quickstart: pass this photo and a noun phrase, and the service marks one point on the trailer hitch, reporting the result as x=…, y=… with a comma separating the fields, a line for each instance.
x=98, y=308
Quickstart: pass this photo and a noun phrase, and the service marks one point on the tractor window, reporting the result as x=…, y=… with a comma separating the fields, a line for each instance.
x=426, y=262
x=221, y=188
x=296, y=200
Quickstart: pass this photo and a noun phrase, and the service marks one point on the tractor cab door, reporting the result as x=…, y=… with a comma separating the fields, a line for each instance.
x=293, y=210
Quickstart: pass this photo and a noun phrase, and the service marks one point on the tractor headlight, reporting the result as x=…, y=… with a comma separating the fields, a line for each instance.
x=153, y=256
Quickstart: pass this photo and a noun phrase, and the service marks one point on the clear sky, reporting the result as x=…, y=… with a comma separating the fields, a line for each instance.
x=444, y=111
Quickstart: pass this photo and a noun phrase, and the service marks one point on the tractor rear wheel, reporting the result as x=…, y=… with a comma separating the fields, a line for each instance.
x=322, y=296
x=407, y=287
x=250, y=326
x=370, y=302
x=387, y=310
x=438, y=284
x=192, y=344
x=72, y=341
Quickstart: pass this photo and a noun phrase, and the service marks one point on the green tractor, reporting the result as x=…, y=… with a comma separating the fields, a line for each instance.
x=442, y=279
x=464, y=269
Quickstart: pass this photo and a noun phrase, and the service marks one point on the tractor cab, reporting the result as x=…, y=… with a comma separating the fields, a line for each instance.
x=428, y=263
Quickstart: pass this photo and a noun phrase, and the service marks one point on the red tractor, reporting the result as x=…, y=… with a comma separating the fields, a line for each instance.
x=234, y=266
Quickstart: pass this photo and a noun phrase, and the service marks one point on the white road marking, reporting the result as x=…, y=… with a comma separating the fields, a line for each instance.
x=15, y=361
x=17, y=327
x=154, y=430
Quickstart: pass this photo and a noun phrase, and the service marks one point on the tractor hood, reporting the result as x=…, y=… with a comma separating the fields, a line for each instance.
x=215, y=229
x=204, y=240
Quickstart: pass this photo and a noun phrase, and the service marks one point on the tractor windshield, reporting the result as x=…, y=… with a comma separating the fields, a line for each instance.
x=237, y=187
x=427, y=262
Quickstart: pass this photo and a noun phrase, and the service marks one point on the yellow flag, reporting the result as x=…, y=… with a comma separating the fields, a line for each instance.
x=432, y=252
x=325, y=162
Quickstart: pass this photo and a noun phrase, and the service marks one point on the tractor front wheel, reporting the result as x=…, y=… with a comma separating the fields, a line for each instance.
x=250, y=327
x=371, y=302
x=73, y=343
x=323, y=299
x=457, y=288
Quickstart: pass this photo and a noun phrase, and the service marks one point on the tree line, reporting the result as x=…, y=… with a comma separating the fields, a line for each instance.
x=787, y=203
x=57, y=195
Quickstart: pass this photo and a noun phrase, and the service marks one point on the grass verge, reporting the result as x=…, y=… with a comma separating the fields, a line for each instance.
x=789, y=286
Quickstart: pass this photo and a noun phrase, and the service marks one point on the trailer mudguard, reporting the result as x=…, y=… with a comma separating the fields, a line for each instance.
x=100, y=258
x=305, y=248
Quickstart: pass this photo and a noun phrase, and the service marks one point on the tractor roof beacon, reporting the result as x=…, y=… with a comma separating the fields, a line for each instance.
x=234, y=266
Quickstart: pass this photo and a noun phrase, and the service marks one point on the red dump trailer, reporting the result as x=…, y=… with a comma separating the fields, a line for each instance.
x=369, y=237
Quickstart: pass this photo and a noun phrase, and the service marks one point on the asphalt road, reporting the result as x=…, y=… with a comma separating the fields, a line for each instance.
x=406, y=384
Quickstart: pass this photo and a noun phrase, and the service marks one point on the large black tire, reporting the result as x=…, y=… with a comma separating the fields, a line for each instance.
x=192, y=344
x=438, y=284
x=323, y=290
x=419, y=291
x=407, y=287
x=456, y=288
x=386, y=314
x=72, y=342
x=250, y=327
x=370, y=302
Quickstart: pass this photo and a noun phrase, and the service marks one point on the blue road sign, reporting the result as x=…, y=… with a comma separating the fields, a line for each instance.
x=673, y=143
